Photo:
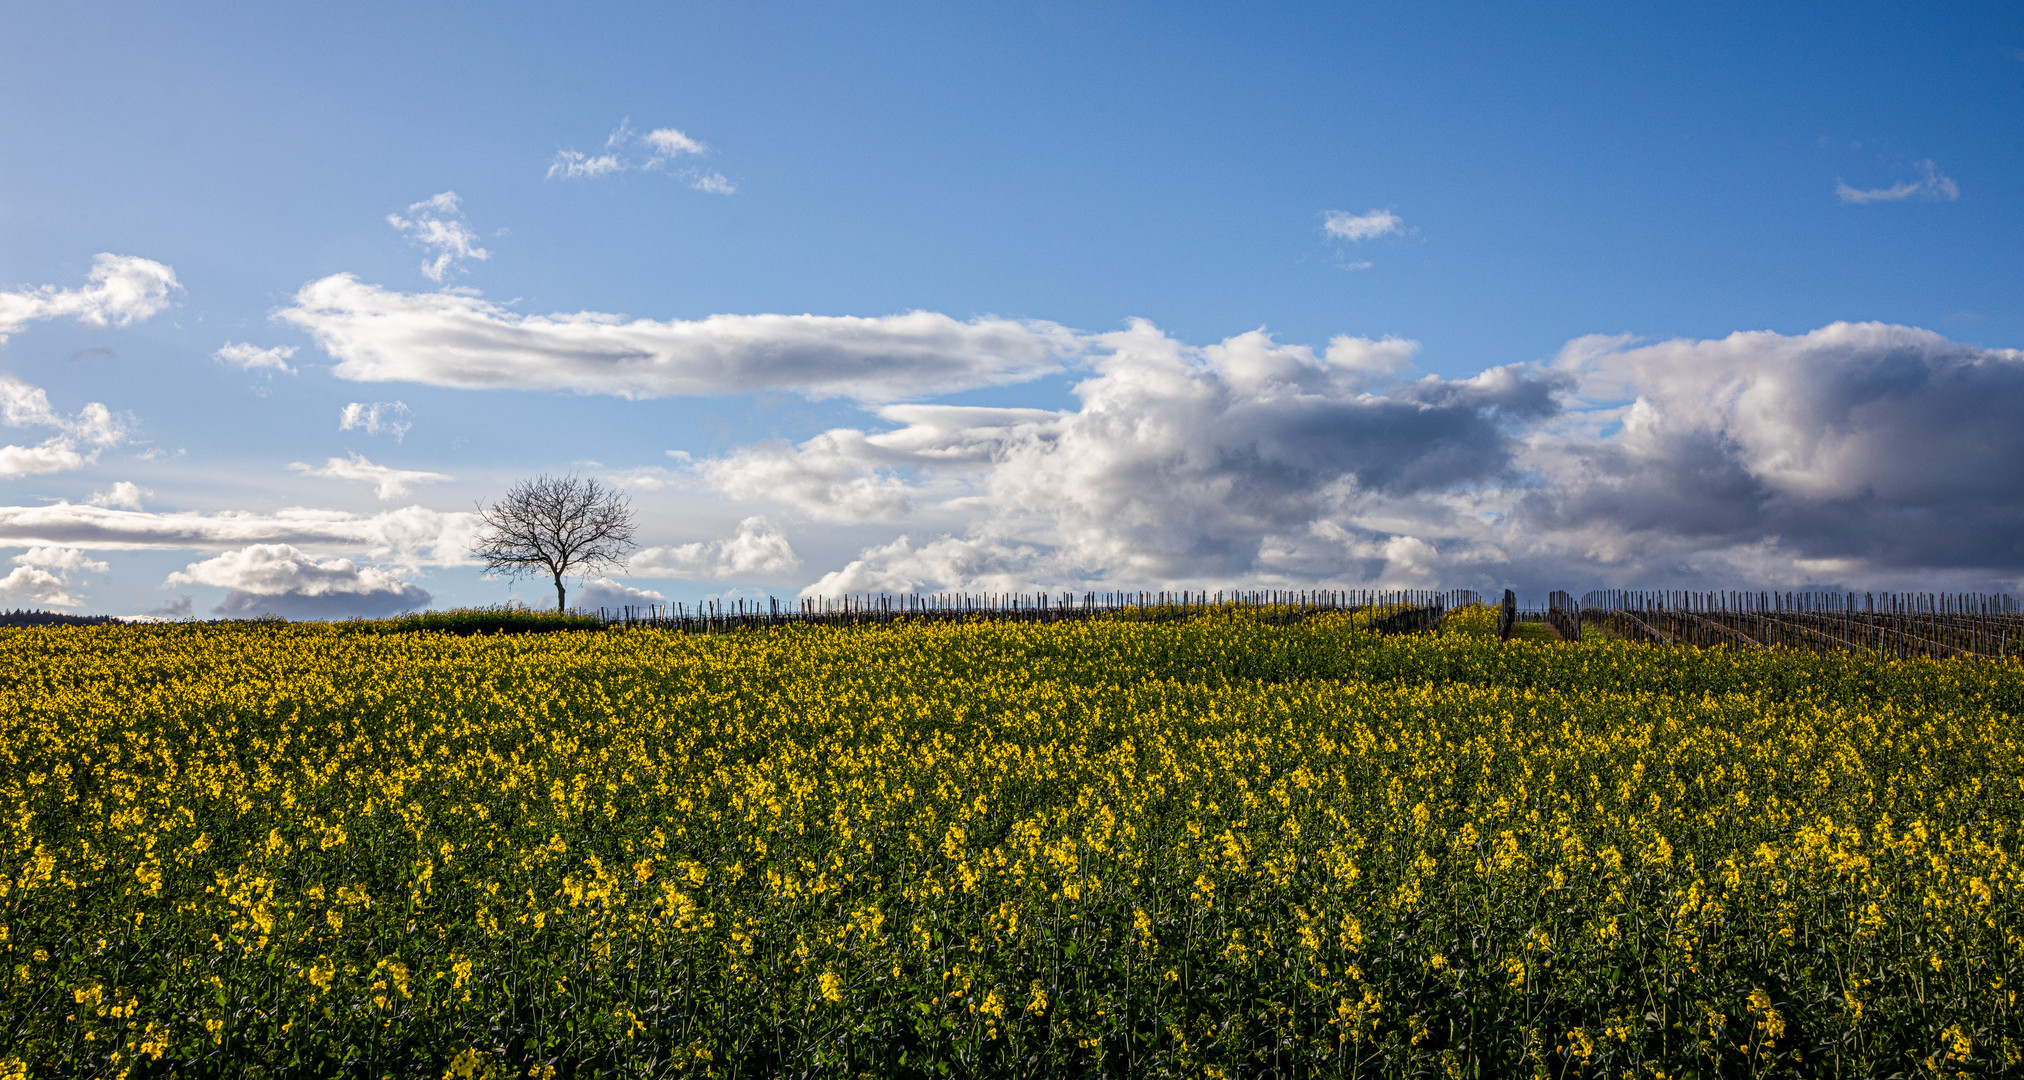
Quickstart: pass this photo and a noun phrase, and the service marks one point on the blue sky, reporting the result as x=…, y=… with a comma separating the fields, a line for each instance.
x=1570, y=212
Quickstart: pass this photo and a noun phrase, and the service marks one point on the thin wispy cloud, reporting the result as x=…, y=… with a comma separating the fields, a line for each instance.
x=671, y=143
x=247, y=357
x=714, y=183
x=1931, y=186
x=388, y=483
x=411, y=536
x=576, y=165
x=392, y=417
x=626, y=150
x=436, y=225
x=1343, y=225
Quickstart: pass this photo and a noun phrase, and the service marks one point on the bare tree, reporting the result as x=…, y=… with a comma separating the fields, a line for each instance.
x=559, y=524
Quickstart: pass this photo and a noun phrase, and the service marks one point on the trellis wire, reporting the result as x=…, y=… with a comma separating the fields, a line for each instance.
x=1894, y=625
x=1881, y=624
x=1412, y=609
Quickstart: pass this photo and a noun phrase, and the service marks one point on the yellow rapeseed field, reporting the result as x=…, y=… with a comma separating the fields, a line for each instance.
x=1217, y=847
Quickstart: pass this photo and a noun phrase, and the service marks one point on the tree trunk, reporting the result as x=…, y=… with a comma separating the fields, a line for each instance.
x=559, y=608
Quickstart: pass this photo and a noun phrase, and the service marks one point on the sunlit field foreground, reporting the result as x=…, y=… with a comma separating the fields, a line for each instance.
x=1219, y=847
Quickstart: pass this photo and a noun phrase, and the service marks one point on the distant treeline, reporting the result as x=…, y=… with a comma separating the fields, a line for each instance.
x=52, y=618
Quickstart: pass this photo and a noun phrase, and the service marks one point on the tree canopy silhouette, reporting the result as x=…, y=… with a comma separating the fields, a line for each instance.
x=560, y=525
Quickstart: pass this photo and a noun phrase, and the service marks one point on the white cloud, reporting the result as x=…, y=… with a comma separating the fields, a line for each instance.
x=824, y=477
x=124, y=289
x=23, y=405
x=1181, y=462
x=55, y=455
x=1930, y=185
x=1865, y=455
x=280, y=579
x=34, y=585
x=603, y=592
x=437, y=226
x=279, y=568
x=41, y=576
x=671, y=143
x=1343, y=225
x=715, y=183
x=253, y=358
x=945, y=564
x=59, y=558
x=461, y=340
x=572, y=165
x=124, y=494
x=392, y=417
x=413, y=536
x=756, y=551
x=388, y=483
x=626, y=150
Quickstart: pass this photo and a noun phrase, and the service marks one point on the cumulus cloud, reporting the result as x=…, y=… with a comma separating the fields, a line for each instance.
x=53, y=455
x=247, y=357
x=627, y=150
x=436, y=225
x=603, y=592
x=23, y=405
x=392, y=417
x=1860, y=450
x=42, y=576
x=461, y=340
x=830, y=477
x=756, y=551
x=123, y=289
x=34, y=585
x=124, y=495
x=388, y=483
x=1181, y=462
x=60, y=558
x=1861, y=454
x=1343, y=225
x=282, y=580
x=1930, y=185
x=410, y=537
x=950, y=563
